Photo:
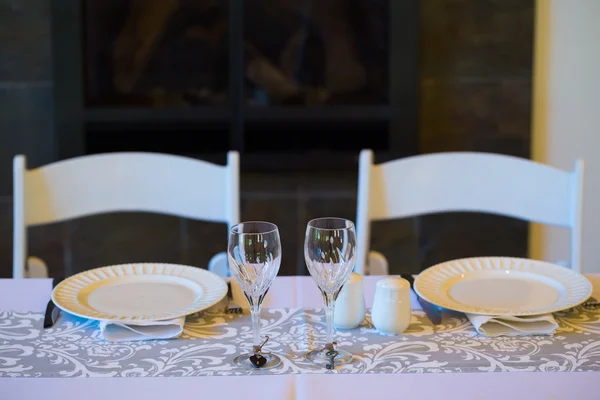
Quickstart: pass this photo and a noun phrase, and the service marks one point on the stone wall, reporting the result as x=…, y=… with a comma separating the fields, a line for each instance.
x=25, y=104
x=476, y=77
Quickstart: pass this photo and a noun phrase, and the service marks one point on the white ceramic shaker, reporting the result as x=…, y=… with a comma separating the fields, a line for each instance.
x=391, y=313
x=350, y=305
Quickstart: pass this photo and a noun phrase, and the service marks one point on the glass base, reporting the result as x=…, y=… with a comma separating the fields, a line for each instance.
x=320, y=357
x=244, y=361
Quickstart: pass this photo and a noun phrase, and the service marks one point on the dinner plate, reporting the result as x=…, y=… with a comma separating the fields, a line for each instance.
x=139, y=292
x=502, y=286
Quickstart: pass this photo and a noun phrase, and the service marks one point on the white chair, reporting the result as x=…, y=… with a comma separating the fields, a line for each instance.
x=464, y=181
x=94, y=184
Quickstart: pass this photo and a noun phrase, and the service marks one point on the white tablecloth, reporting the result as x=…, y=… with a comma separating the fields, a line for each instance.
x=32, y=295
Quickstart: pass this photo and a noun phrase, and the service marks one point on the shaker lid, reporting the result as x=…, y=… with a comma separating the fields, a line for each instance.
x=393, y=282
x=355, y=278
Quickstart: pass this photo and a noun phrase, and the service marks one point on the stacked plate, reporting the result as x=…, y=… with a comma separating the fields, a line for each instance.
x=139, y=292
x=502, y=286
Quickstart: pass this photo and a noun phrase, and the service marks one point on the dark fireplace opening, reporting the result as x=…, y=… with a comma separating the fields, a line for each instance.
x=302, y=136
x=288, y=84
x=161, y=138
x=160, y=53
x=284, y=145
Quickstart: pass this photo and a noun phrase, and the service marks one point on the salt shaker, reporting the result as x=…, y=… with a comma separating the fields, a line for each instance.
x=350, y=306
x=391, y=313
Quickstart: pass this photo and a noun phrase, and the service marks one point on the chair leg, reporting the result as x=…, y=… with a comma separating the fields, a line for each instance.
x=36, y=268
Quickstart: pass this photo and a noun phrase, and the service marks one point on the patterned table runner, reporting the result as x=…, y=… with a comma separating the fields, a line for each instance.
x=74, y=347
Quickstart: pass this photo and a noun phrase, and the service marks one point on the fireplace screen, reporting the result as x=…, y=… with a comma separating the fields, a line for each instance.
x=177, y=53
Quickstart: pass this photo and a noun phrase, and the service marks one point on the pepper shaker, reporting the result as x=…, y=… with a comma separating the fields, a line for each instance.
x=350, y=305
x=391, y=313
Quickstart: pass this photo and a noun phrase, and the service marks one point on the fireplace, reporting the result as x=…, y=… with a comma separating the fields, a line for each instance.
x=291, y=85
x=475, y=73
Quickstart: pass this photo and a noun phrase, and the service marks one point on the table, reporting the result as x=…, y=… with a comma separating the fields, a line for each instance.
x=32, y=295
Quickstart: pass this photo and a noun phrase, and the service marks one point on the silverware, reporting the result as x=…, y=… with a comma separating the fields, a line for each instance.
x=591, y=303
x=232, y=306
x=52, y=312
x=432, y=311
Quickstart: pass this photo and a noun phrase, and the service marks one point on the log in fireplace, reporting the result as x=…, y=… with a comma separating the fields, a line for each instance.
x=291, y=84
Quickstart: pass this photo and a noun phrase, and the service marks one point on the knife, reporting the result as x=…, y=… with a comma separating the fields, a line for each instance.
x=432, y=311
x=52, y=312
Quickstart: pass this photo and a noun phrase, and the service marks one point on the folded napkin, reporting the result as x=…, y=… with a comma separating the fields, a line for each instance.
x=513, y=326
x=115, y=331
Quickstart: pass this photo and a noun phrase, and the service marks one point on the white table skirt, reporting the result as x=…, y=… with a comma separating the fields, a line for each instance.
x=32, y=295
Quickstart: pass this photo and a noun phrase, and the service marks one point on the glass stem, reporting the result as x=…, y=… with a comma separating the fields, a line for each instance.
x=329, y=311
x=255, y=312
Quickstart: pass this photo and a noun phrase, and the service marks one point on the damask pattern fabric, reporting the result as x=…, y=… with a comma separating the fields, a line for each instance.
x=75, y=348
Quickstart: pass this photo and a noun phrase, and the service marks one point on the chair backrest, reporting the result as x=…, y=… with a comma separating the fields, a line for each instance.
x=95, y=184
x=468, y=182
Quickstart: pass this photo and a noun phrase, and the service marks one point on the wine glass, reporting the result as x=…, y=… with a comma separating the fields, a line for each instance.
x=329, y=251
x=254, y=253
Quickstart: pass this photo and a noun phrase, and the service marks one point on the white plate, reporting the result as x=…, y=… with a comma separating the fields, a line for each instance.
x=502, y=286
x=139, y=292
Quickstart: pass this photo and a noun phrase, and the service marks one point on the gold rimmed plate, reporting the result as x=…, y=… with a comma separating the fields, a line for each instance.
x=502, y=286
x=139, y=292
